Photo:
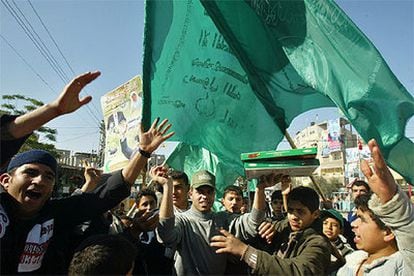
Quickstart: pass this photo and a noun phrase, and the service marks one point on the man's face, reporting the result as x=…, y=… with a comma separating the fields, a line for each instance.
x=331, y=228
x=202, y=198
x=180, y=194
x=299, y=216
x=277, y=206
x=245, y=207
x=368, y=236
x=31, y=185
x=232, y=202
x=358, y=190
x=147, y=203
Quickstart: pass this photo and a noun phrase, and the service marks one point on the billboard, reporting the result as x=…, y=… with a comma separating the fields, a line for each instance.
x=334, y=135
x=122, y=109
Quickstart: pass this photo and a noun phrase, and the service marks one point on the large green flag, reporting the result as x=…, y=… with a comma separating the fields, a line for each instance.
x=192, y=77
x=331, y=55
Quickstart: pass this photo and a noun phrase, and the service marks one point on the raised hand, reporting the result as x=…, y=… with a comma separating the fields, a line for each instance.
x=379, y=178
x=159, y=174
x=268, y=180
x=143, y=221
x=267, y=231
x=155, y=136
x=286, y=186
x=68, y=100
x=228, y=243
x=148, y=142
x=92, y=177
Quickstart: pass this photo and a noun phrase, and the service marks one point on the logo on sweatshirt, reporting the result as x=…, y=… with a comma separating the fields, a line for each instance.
x=4, y=221
x=36, y=245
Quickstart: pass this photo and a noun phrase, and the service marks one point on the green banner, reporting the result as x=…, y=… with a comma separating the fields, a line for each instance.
x=192, y=77
x=318, y=43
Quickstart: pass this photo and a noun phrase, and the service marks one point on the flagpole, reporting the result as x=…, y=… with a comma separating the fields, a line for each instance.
x=293, y=146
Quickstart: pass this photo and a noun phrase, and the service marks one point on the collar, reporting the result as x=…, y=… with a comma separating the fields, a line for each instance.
x=377, y=262
x=203, y=216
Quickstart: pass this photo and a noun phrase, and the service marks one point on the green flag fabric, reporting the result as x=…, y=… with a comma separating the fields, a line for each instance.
x=317, y=41
x=192, y=77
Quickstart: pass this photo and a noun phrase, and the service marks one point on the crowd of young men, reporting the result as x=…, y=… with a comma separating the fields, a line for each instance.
x=189, y=238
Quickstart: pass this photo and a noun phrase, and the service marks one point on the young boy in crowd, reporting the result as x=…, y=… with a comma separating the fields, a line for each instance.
x=384, y=225
x=232, y=199
x=181, y=187
x=332, y=227
x=277, y=206
x=245, y=205
x=300, y=248
x=151, y=253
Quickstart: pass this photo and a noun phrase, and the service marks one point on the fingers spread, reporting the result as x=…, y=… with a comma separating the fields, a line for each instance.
x=165, y=129
x=155, y=123
x=86, y=78
x=160, y=127
x=169, y=135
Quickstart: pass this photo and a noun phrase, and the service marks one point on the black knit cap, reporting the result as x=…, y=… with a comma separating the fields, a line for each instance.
x=33, y=156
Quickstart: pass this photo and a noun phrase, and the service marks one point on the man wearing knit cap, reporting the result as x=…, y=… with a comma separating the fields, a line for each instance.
x=30, y=222
x=31, y=195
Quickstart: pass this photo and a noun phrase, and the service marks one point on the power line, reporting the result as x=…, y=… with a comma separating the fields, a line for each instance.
x=28, y=64
x=51, y=37
x=59, y=50
x=38, y=74
x=32, y=38
x=43, y=49
x=49, y=54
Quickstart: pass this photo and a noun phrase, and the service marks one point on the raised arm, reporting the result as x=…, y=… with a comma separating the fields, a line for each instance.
x=149, y=142
x=380, y=179
x=390, y=203
x=286, y=188
x=159, y=175
x=67, y=102
x=170, y=229
x=265, y=181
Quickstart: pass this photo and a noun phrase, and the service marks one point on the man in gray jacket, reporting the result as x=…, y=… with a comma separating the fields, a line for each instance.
x=190, y=232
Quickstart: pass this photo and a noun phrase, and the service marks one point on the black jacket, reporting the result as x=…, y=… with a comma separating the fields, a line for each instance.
x=307, y=254
x=25, y=243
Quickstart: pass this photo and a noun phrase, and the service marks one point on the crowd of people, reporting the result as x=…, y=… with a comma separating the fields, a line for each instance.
x=172, y=230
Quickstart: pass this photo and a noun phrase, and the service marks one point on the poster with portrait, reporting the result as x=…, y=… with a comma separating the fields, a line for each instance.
x=334, y=135
x=122, y=109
